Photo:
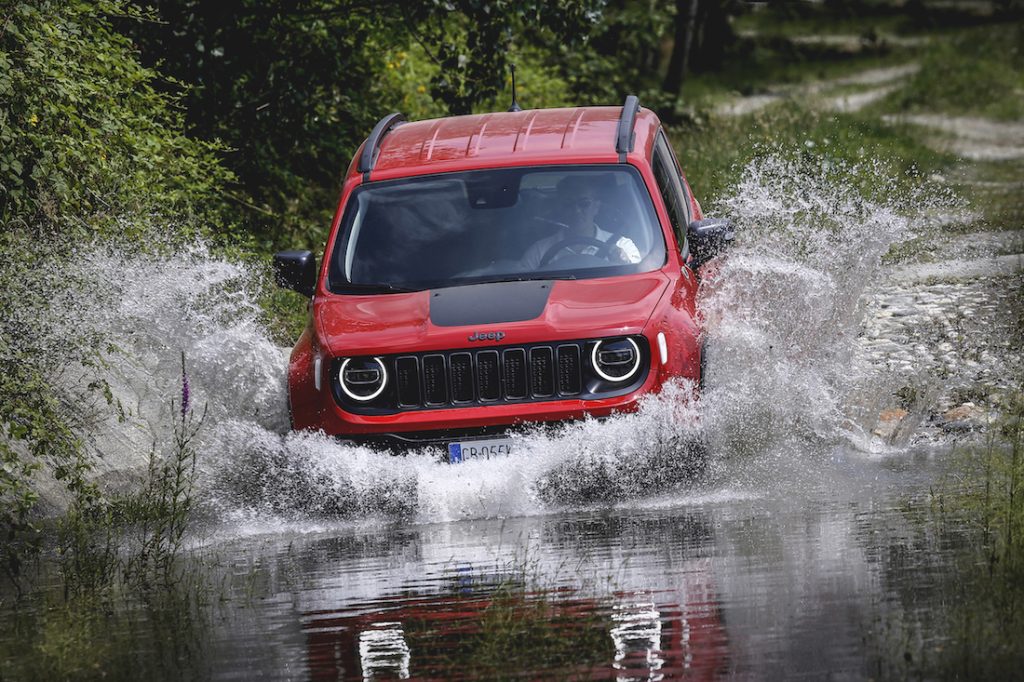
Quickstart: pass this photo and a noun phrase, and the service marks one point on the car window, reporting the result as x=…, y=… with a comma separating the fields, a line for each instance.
x=667, y=175
x=476, y=226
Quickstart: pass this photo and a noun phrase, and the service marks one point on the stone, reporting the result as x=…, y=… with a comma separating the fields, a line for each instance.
x=888, y=425
x=965, y=417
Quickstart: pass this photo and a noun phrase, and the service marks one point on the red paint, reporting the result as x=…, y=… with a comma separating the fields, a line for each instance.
x=350, y=325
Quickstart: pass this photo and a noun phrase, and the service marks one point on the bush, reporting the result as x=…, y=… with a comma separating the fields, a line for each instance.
x=85, y=137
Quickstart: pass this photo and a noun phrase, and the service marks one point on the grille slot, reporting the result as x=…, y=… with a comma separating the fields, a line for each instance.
x=407, y=380
x=435, y=383
x=488, y=373
x=542, y=372
x=515, y=374
x=461, y=370
x=569, y=382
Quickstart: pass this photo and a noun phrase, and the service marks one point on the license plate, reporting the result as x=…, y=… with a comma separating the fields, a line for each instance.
x=478, y=449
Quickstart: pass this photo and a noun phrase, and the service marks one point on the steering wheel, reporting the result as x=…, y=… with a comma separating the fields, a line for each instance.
x=602, y=247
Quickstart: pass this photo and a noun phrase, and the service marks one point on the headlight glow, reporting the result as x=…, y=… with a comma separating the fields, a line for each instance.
x=363, y=383
x=614, y=360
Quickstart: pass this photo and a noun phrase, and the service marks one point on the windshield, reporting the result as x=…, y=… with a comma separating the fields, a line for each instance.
x=551, y=222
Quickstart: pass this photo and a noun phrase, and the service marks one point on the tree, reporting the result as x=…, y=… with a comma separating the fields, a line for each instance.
x=293, y=86
x=702, y=37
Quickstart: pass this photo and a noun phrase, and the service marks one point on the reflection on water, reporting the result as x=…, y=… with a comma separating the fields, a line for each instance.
x=382, y=650
x=637, y=637
x=329, y=561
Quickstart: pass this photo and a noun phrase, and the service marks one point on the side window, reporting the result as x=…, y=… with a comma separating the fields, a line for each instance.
x=666, y=173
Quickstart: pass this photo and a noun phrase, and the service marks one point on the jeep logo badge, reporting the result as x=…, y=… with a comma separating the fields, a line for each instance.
x=487, y=336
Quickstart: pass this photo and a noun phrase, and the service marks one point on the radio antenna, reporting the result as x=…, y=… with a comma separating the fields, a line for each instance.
x=515, y=105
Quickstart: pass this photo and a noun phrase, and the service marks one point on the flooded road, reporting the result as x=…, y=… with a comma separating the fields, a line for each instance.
x=792, y=577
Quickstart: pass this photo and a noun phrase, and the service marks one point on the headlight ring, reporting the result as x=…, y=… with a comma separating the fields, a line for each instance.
x=363, y=378
x=615, y=359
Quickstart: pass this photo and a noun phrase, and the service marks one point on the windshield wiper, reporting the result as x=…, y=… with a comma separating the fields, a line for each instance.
x=378, y=287
x=521, y=278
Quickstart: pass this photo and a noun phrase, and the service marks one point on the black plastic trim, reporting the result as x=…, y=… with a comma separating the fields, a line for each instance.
x=625, y=137
x=403, y=441
x=368, y=159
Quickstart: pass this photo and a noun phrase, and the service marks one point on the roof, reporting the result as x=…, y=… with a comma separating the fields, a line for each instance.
x=569, y=135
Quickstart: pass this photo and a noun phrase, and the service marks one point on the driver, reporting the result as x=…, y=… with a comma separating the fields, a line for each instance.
x=581, y=201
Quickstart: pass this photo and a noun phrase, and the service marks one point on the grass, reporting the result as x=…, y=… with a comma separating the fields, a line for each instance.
x=113, y=554
x=523, y=625
x=985, y=491
x=976, y=72
x=763, y=70
x=514, y=629
x=790, y=19
x=713, y=150
x=119, y=634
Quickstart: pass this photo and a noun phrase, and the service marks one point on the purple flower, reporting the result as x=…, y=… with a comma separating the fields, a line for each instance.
x=186, y=391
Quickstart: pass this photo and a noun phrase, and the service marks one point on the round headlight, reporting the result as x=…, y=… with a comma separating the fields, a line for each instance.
x=615, y=360
x=362, y=379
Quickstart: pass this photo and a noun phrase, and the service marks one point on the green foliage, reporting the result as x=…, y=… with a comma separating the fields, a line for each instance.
x=511, y=620
x=86, y=140
x=470, y=40
x=984, y=490
x=163, y=508
x=115, y=635
x=37, y=424
x=713, y=148
x=136, y=538
x=84, y=136
x=621, y=55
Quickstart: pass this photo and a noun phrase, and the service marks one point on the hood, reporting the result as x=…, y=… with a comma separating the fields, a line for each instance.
x=478, y=315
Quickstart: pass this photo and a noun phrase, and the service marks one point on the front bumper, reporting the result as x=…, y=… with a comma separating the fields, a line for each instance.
x=437, y=439
x=482, y=421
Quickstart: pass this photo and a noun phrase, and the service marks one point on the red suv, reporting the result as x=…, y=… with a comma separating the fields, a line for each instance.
x=489, y=270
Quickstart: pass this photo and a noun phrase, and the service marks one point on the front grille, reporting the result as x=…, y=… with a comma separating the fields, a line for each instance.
x=462, y=377
x=488, y=375
x=407, y=378
x=492, y=375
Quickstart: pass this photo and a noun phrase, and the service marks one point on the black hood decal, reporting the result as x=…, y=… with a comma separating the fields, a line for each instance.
x=491, y=303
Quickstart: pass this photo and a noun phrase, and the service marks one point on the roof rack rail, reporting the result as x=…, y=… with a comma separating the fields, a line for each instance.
x=624, y=136
x=368, y=158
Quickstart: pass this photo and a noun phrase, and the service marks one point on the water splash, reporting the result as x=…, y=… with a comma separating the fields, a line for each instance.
x=783, y=314
x=587, y=463
x=785, y=310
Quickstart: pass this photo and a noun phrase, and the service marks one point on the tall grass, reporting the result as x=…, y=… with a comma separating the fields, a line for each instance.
x=135, y=539
x=165, y=503
x=983, y=496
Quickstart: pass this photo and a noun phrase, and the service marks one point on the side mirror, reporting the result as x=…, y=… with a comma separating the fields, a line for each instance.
x=296, y=270
x=708, y=238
